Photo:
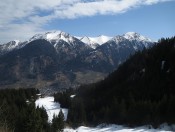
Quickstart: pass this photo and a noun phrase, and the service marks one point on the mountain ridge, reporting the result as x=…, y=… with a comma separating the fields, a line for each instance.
x=140, y=92
x=58, y=35
x=71, y=63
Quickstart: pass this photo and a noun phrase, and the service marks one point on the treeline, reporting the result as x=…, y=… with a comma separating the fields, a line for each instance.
x=76, y=114
x=64, y=98
x=18, y=113
x=141, y=91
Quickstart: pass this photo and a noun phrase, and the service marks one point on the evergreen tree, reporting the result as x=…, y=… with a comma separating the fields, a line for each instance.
x=58, y=122
x=34, y=122
x=17, y=115
x=141, y=91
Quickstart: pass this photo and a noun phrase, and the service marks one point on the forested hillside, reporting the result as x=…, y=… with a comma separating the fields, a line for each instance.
x=18, y=112
x=141, y=91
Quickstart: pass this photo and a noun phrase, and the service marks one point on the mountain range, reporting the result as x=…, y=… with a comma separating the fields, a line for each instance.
x=59, y=60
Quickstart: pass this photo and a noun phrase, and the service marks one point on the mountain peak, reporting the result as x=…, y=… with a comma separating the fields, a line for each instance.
x=118, y=39
x=58, y=56
x=55, y=35
x=17, y=41
x=89, y=41
x=86, y=40
x=136, y=36
x=131, y=35
x=100, y=39
x=94, y=42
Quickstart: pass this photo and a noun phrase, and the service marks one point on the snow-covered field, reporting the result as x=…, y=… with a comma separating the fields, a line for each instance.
x=54, y=108
x=51, y=107
x=118, y=128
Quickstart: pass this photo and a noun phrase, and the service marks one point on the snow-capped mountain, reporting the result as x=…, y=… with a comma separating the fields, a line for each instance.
x=100, y=39
x=132, y=40
x=115, y=51
x=63, y=43
x=54, y=36
x=58, y=39
x=58, y=59
x=136, y=36
x=94, y=42
x=12, y=45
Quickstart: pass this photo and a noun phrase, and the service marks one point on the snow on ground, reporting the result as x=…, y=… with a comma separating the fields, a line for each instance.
x=54, y=108
x=51, y=107
x=119, y=128
x=72, y=96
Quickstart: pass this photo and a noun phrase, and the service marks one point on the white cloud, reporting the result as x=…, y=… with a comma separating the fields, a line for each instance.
x=23, y=18
x=150, y=2
x=97, y=7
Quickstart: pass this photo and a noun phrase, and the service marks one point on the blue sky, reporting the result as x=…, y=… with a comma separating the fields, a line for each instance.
x=23, y=19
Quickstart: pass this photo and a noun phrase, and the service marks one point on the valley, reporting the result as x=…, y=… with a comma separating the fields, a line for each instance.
x=87, y=66
x=57, y=60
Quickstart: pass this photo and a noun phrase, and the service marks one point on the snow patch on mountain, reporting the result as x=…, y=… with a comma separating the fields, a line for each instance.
x=89, y=42
x=100, y=39
x=86, y=40
x=94, y=42
x=59, y=35
x=117, y=39
x=54, y=36
x=136, y=36
x=15, y=44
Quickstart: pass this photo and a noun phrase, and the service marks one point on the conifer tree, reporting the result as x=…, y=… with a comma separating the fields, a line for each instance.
x=58, y=122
